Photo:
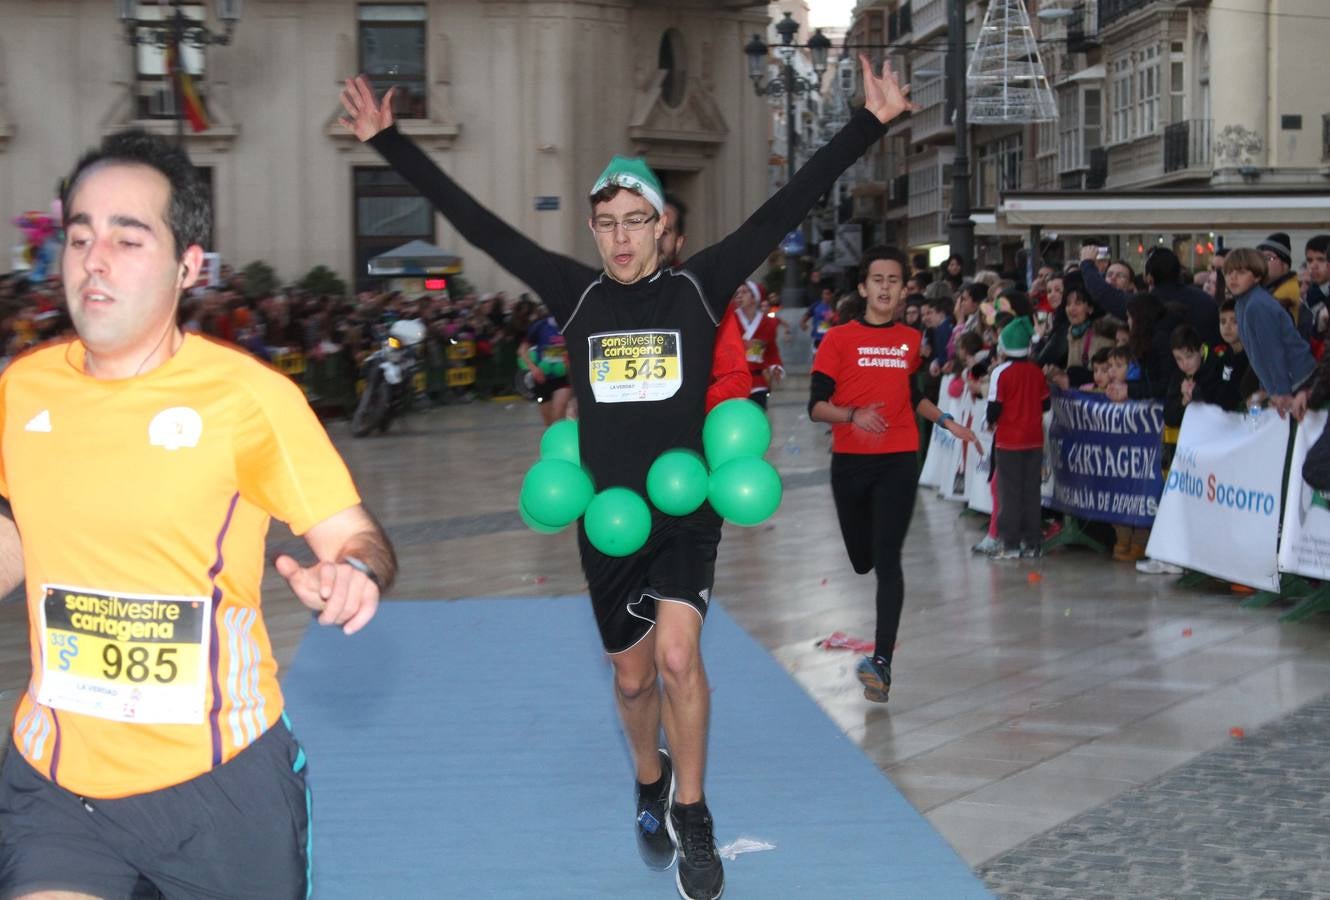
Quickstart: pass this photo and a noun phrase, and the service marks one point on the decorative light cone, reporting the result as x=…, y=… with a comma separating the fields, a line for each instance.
x=1006, y=81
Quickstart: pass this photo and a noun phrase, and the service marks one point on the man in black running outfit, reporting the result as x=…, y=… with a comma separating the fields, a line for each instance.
x=650, y=605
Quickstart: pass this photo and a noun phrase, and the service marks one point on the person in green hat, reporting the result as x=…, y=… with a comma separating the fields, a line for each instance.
x=1017, y=398
x=639, y=334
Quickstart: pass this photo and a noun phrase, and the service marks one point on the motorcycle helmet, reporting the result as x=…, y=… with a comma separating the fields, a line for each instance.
x=407, y=332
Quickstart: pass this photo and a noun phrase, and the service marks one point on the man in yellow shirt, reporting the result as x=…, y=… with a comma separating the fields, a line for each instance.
x=142, y=466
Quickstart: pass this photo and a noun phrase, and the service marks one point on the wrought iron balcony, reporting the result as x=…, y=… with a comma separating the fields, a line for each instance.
x=1112, y=10
x=1187, y=145
x=1083, y=27
x=898, y=190
x=1098, y=173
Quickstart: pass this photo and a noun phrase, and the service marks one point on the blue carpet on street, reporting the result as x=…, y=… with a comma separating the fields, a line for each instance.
x=472, y=749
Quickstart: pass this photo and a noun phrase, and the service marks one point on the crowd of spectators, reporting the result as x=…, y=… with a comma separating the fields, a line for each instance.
x=1247, y=330
x=280, y=325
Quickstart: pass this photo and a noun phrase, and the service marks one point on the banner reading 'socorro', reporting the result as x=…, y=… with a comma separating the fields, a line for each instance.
x=1220, y=510
x=1106, y=457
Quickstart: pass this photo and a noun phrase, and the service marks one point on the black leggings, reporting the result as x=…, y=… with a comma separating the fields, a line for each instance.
x=874, y=497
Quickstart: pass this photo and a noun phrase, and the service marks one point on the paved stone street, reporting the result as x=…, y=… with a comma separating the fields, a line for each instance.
x=1251, y=819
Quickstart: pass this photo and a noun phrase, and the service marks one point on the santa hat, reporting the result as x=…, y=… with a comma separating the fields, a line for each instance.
x=1016, y=337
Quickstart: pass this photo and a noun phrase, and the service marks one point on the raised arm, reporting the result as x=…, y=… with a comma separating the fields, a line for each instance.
x=556, y=278
x=724, y=265
x=1110, y=299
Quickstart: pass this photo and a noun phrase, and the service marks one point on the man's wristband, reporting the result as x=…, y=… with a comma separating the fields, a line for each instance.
x=850, y=420
x=363, y=568
x=943, y=419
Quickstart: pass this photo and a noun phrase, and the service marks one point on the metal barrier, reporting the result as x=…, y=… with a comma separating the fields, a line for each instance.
x=332, y=383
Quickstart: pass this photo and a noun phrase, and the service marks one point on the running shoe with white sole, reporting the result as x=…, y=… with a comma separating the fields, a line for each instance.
x=986, y=546
x=653, y=839
x=700, y=875
x=1157, y=567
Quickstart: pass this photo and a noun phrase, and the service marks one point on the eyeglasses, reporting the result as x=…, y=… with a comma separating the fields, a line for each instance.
x=606, y=224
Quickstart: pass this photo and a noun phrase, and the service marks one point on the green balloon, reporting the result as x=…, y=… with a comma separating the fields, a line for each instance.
x=555, y=492
x=617, y=521
x=535, y=525
x=746, y=490
x=733, y=429
x=560, y=442
x=677, y=482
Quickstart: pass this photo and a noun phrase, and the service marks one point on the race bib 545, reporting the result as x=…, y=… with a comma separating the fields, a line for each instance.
x=635, y=366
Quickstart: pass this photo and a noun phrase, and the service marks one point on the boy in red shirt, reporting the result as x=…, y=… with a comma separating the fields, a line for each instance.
x=1017, y=397
x=862, y=384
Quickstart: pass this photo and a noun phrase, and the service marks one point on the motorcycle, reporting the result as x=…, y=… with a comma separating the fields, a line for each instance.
x=390, y=378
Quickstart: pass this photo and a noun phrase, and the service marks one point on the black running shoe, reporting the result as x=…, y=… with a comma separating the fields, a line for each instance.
x=653, y=838
x=875, y=675
x=700, y=875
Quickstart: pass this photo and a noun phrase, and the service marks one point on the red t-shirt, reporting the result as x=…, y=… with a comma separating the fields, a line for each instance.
x=872, y=364
x=1019, y=385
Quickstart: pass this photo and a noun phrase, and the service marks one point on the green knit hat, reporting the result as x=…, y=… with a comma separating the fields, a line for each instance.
x=1015, y=338
x=634, y=174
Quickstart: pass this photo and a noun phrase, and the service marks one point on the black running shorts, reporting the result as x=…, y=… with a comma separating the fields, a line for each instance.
x=677, y=564
x=544, y=391
x=239, y=831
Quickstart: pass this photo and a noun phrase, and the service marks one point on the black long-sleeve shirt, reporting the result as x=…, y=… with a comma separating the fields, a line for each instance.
x=639, y=355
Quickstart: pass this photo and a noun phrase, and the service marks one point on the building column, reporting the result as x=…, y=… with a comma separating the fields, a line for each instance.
x=1240, y=83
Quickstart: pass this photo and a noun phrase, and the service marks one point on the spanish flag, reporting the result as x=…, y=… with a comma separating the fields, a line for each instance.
x=185, y=95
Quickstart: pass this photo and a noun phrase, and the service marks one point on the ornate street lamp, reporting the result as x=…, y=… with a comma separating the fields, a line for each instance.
x=789, y=84
x=174, y=31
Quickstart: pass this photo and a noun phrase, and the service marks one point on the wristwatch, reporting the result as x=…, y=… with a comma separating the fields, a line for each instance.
x=363, y=568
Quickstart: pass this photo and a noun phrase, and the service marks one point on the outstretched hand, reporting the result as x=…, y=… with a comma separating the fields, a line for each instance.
x=964, y=434
x=339, y=593
x=365, y=118
x=884, y=97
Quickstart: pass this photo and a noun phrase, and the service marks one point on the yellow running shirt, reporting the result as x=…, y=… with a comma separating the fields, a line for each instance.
x=143, y=504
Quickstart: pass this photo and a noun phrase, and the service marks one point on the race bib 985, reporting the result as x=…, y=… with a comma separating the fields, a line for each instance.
x=127, y=657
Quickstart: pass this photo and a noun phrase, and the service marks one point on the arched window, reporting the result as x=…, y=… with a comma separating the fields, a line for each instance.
x=673, y=61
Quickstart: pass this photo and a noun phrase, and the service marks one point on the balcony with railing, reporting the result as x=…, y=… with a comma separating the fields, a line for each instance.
x=898, y=192
x=1110, y=11
x=1083, y=27
x=928, y=17
x=1187, y=145
x=1075, y=22
x=1097, y=175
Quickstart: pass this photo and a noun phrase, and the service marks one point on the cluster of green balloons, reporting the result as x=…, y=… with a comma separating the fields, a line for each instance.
x=743, y=487
x=739, y=483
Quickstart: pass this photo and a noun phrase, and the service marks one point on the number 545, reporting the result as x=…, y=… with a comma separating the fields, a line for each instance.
x=645, y=368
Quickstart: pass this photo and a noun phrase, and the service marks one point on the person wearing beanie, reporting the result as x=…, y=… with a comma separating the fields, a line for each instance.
x=640, y=336
x=1017, y=398
x=1282, y=282
x=759, y=334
